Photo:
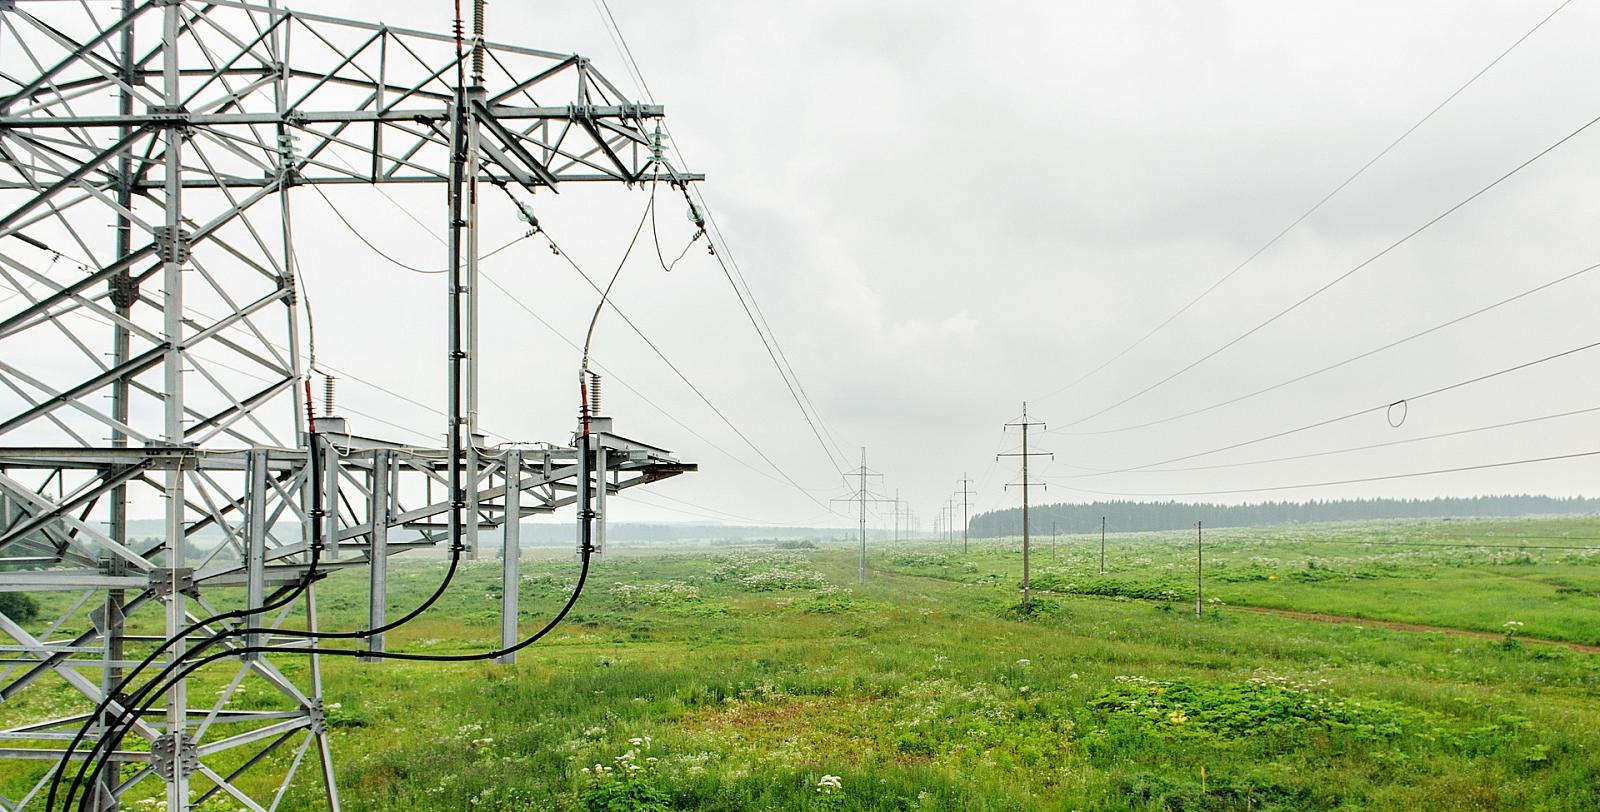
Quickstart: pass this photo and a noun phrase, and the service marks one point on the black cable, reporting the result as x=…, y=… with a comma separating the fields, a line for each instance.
x=316, y=516
x=380, y=252
x=539, y=230
x=305, y=582
x=216, y=637
x=674, y=367
x=125, y=720
x=1297, y=379
x=614, y=377
x=1358, y=413
x=655, y=236
x=1315, y=207
x=1341, y=277
x=163, y=681
x=160, y=683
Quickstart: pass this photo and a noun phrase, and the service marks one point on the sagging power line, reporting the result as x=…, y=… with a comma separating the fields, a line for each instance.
x=1315, y=207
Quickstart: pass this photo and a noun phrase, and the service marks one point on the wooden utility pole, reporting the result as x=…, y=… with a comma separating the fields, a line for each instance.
x=1199, y=577
x=1025, y=454
x=966, y=493
x=1102, y=545
x=950, y=519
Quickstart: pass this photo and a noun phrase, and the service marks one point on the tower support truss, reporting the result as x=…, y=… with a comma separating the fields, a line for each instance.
x=151, y=359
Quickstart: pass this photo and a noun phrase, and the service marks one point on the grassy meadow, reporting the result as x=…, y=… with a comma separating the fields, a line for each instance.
x=754, y=678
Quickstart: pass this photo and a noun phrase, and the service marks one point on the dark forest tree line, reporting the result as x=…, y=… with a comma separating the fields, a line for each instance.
x=1126, y=516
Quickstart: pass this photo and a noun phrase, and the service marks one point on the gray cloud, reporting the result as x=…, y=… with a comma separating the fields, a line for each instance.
x=947, y=208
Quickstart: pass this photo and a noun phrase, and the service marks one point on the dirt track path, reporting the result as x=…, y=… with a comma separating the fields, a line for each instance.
x=1321, y=617
x=1408, y=627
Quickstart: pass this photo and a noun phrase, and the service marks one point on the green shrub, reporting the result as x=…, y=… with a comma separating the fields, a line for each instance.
x=628, y=786
x=19, y=606
x=1257, y=705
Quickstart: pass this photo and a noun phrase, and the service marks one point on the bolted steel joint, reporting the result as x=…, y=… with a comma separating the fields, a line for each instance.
x=318, y=716
x=163, y=582
x=172, y=245
x=124, y=290
x=172, y=752
x=171, y=116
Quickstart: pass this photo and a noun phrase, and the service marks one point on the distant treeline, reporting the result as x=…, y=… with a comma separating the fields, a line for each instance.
x=1123, y=516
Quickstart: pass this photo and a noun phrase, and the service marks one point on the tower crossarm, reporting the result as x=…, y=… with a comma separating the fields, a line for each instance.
x=345, y=89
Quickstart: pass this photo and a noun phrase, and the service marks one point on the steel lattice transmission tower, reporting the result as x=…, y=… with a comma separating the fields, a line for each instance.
x=151, y=351
x=861, y=496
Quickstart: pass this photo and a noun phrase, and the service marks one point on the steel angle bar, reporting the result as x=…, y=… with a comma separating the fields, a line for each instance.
x=48, y=664
x=268, y=731
x=527, y=164
x=85, y=493
x=90, y=303
x=78, y=527
x=8, y=222
x=71, y=675
x=77, y=56
x=74, y=396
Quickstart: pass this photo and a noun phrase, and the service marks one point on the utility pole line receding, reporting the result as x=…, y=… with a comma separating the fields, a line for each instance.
x=966, y=494
x=896, y=515
x=950, y=518
x=1025, y=424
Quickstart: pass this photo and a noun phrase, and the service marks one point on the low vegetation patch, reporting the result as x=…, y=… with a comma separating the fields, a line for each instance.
x=1260, y=704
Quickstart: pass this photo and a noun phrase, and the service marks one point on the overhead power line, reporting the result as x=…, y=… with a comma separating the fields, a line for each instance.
x=1346, y=362
x=730, y=268
x=713, y=513
x=648, y=214
x=1326, y=286
x=1368, y=447
x=1355, y=481
x=679, y=372
x=1314, y=208
x=1369, y=410
x=1388, y=543
x=516, y=300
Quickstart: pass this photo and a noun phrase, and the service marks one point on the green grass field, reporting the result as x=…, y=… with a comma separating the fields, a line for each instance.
x=738, y=679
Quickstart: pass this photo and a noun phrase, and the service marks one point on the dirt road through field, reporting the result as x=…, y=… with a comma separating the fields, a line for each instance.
x=1408, y=627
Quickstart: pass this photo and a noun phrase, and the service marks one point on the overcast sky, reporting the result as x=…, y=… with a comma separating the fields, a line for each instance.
x=945, y=209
